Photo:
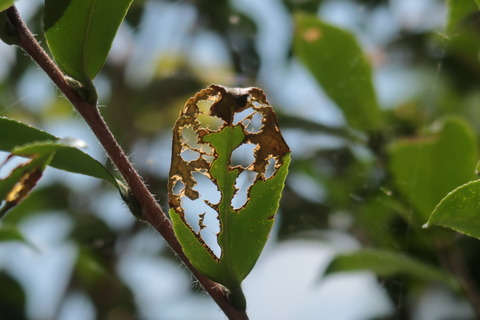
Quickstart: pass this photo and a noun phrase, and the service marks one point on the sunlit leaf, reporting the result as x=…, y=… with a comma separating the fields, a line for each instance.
x=388, y=263
x=336, y=60
x=460, y=210
x=68, y=157
x=80, y=33
x=5, y=4
x=426, y=168
x=222, y=233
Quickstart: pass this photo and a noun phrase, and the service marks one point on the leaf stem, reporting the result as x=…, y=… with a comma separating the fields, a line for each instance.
x=151, y=210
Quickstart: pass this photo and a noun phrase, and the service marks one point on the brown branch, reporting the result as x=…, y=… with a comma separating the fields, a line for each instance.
x=151, y=210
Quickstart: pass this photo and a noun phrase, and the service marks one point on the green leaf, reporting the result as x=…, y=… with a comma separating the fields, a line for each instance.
x=213, y=124
x=458, y=11
x=80, y=33
x=8, y=233
x=5, y=4
x=462, y=37
x=8, y=32
x=336, y=60
x=426, y=168
x=28, y=140
x=460, y=210
x=387, y=263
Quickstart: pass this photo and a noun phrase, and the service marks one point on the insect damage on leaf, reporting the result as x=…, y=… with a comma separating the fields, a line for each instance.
x=229, y=163
x=21, y=181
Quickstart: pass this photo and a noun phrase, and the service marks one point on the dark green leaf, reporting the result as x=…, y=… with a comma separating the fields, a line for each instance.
x=80, y=33
x=8, y=33
x=12, y=298
x=460, y=210
x=29, y=140
x=426, y=168
x=388, y=263
x=336, y=60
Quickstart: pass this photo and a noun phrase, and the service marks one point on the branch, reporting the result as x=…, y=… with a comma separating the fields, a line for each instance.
x=151, y=210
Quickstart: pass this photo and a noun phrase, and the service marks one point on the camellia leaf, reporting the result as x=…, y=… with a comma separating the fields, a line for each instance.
x=336, y=60
x=459, y=210
x=425, y=170
x=28, y=140
x=80, y=33
x=222, y=211
x=5, y=4
x=388, y=263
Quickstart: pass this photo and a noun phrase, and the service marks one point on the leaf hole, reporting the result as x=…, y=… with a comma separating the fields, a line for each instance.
x=193, y=209
x=204, y=105
x=178, y=186
x=189, y=155
x=10, y=164
x=243, y=182
x=190, y=137
x=199, y=215
x=257, y=104
x=243, y=155
x=209, y=233
x=254, y=123
x=206, y=149
x=208, y=158
x=240, y=116
x=210, y=122
x=207, y=189
x=270, y=169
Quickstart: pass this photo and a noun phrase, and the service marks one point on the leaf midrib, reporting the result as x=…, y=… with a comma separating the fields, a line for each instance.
x=85, y=40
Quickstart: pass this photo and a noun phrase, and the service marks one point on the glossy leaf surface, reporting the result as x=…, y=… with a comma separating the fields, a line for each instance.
x=213, y=124
x=29, y=140
x=80, y=33
x=460, y=210
x=337, y=62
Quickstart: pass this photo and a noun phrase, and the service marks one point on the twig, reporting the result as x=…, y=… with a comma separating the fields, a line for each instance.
x=151, y=210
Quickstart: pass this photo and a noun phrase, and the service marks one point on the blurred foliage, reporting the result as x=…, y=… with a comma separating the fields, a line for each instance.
x=377, y=184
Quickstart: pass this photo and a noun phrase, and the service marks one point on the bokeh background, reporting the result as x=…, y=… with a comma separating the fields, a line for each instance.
x=88, y=258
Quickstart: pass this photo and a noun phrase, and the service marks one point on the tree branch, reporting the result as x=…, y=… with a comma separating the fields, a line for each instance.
x=151, y=210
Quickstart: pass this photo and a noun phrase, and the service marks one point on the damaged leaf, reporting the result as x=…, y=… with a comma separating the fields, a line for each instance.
x=21, y=180
x=229, y=164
